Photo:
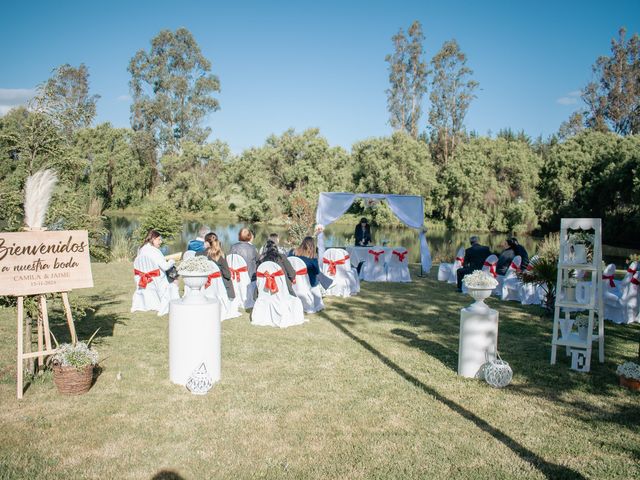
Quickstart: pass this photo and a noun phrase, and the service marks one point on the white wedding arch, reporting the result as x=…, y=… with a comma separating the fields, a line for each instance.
x=408, y=208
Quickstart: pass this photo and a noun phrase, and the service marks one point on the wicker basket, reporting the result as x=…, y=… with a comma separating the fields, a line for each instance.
x=72, y=381
x=630, y=383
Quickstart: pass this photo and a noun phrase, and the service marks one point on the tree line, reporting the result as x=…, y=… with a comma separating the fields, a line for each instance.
x=505, y=183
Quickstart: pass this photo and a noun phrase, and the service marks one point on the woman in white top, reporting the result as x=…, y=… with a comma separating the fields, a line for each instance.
x=153, y=290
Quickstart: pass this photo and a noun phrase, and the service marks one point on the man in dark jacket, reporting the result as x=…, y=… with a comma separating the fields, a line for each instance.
x=474, y=258
x=508, y=254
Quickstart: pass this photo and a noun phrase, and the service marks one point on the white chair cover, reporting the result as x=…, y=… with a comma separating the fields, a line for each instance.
x=345, y=280
x=631, y=300
x=375, y=267
x=490, y=267
x=152, y=292
x=275, y=308
x=311, y=297
x=398, y=265
x=632, y=269
x=447, y=271
x=217, y=290
x=611, y=296
x=531, y=294
x=242, y=284
x=510, y=283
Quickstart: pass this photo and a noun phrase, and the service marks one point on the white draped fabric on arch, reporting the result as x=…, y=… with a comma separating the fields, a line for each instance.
x=408, y=208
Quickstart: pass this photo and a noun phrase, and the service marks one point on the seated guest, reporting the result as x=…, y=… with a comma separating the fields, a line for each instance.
x=363, y=233
x=214, y=252
x=474, y=258
x=197, y=245
x=307, y=253
x=246, y=250
x=271, y=254
x=275, y=239
x=508, y=254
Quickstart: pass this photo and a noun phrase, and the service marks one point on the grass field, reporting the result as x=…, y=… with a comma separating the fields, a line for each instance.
x=366, y=389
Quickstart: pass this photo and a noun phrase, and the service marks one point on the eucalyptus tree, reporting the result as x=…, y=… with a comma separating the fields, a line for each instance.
x=172, y=88
x=66, y=99
x=451, y=94
x=408, y=79
x=613, y=98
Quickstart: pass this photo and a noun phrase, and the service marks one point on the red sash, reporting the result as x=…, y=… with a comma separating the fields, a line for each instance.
x=492, y=268
x=515, y=267
x=235, y=273
x=461, y=260
x=211, y=277
x=270, y=283
x=332, y=264
x=376, y=254
x=400, y=255
x=300, y=272
x=635, y=281
x=146, y=278
x=610, y=278
x=632, y=271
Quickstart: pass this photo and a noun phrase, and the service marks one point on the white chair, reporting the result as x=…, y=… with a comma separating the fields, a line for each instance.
x=311, y=297
x=275, y=306
x=510, y=283
x=242, y=284
x=622, y=309
x=153, y=290
x=336, y=265
x=214, y=288
x=611, y=295
x=531, y=294
x=374, y=268
x=490, y=268
x=632, y=269
x=398, y=265
x=447, y=271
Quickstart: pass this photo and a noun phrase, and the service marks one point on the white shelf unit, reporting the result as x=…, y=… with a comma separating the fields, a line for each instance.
x=564, y=308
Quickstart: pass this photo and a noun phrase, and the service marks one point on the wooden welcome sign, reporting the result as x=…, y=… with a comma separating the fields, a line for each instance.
x=36, y=262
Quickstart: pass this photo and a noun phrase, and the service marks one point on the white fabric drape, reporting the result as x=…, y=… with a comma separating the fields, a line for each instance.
x=408, y=208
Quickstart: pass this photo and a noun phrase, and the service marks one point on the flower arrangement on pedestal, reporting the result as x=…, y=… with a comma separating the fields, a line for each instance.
x=629, y=373
x=194, y=272
x=479, y=286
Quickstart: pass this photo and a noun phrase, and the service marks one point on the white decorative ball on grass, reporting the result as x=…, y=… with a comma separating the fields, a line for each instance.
x=498, y=373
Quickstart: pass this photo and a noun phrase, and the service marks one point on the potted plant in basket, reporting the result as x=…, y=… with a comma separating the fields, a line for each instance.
x=569, y=286
x=73, y=366
x=580, y=246
x=582, y=324
x=629, y=375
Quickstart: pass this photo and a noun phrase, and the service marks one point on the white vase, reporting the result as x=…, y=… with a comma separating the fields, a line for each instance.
x=195, y=281
x=565, y=327
x=579, y=253
x=583, y=332
x=479, y=294
x=570, y=294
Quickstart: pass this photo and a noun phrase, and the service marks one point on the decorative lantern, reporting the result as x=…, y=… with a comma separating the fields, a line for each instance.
x=200, y=381
x=498, y=373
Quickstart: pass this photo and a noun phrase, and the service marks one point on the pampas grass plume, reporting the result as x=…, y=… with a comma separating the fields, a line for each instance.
x=38, y=192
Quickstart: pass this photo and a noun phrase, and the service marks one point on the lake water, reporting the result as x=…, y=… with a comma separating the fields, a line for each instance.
x=442, y=243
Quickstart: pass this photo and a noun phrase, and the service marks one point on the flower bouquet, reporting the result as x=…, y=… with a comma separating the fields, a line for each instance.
x=196, y=266
x=479, y=286
x=629, y=375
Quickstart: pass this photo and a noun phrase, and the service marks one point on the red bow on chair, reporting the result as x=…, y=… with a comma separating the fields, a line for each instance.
x=635, y=281
x=211, y=277
x=632, y=271
x=299, y=272
x=332, y=264
x=492, y=268
x=376, y=254
x=270, y=283
x=515, y=267
x=529, y=267
x=400, y=255
x=610, y=278
x=461, y=260
x=146, y=278
x=235, y=273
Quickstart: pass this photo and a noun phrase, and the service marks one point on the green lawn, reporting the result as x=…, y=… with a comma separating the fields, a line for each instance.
x=366, y=389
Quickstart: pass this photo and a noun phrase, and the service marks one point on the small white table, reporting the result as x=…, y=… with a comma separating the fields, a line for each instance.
x=194, y=339
x=478, y=341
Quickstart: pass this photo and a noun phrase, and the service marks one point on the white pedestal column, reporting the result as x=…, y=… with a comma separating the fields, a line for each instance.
x=194, y=339
x=478, y=341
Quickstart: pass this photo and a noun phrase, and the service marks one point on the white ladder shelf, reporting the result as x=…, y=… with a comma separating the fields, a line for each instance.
x=565, y=307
